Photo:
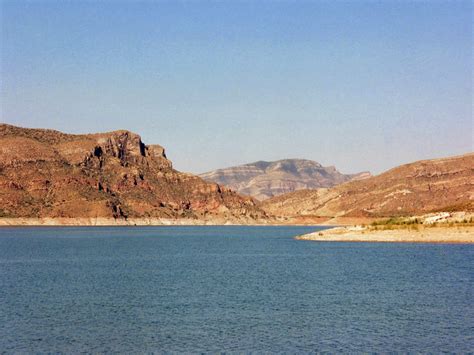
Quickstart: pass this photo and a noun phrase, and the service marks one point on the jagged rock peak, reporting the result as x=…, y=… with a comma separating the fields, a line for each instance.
x=123, y=145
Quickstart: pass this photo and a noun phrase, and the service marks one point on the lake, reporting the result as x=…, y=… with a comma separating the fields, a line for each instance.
x=232, y=288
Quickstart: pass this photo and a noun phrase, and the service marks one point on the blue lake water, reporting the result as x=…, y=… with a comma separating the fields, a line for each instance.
x=229, y=288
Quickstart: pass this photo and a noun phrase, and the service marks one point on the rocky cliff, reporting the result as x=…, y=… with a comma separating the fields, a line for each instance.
x=264, y=179
x=46, y=173
x=412, y=189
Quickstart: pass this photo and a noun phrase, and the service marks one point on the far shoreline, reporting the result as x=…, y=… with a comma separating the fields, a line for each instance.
x=140, y=222
x=333, y=229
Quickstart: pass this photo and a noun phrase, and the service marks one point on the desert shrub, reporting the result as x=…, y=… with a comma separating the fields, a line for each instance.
x=396, y=221
x=4, y=213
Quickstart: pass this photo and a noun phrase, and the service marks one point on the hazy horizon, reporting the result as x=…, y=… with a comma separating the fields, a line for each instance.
x=361, y=85
x=270, y=161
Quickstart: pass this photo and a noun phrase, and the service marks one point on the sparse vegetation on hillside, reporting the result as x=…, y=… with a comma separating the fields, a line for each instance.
x=415, y=223
x=423, y=187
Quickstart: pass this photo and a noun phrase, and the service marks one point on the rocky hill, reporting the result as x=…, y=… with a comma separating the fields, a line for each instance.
x=417, y=188
x=45, y=173
x=264, y=179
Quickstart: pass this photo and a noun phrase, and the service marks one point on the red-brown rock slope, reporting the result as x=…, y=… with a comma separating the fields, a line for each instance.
x=45, y=173
x=417, y=188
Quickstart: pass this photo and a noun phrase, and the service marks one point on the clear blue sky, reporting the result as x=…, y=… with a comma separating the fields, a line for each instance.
x=358, y=85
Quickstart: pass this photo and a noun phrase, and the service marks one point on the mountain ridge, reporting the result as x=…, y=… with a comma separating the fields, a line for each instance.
x=47, y=173
x=441, y=184
x=266, y=179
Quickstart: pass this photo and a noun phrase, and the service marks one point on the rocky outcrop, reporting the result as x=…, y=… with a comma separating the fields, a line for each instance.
x=49, y=174
x=263, y=179
x=412, y=189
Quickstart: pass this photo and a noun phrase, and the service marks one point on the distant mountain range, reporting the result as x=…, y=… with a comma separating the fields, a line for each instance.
x=263, y=179
x=425, y=186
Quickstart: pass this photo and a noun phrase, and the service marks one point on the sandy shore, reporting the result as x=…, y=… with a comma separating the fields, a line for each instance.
x=439, y=234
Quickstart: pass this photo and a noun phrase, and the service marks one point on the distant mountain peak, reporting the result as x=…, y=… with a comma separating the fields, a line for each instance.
x=265, y=179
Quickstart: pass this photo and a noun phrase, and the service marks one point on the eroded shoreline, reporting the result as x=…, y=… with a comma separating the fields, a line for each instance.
x=111, y=222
